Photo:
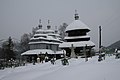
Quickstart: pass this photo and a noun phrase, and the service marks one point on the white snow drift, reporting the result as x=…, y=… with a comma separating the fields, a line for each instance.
x=77, y=69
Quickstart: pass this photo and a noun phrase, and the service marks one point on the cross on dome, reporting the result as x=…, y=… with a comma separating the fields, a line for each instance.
x=40, y=21
x=40, y=25
x=56, y=29
x=48, y=26
x=76, y=15
x=48, y=21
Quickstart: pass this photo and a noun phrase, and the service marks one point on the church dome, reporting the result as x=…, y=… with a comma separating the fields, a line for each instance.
x=77, y=25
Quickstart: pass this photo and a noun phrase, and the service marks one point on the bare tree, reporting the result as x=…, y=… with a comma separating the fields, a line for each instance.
x=62, y=30
x=34, y=30
x=25, y=42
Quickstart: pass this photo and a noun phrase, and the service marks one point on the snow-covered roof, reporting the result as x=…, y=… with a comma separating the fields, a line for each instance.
x=51, y=34
x=76, y=37
x=49, y=31
x=43, y=42
x=40, y=35
x=42, y=38
x=40, y=30
x=40, y=51
x=45, y=31
x=76, y=44
x=46, y=35
x=75, y=25
x=51, y=38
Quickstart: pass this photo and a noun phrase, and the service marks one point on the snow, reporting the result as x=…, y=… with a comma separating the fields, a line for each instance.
x=45, y=31
x=43, y=51
x=40, y=35
x=77, y=69
x=77, y=24
x=52, y=38
x=61, y=52
x=37, y=51
x=77, y=37
x=42, y=38
x=76, y=44
x=49, y=31
x=40, y=30
x=51, y=34
x=118, y=51
x=36, y=39
x=43, y=42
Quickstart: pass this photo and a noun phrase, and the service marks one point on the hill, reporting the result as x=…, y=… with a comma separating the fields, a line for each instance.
x=115, y=45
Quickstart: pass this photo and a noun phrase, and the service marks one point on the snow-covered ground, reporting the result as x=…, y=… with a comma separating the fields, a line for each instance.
x=77, y=69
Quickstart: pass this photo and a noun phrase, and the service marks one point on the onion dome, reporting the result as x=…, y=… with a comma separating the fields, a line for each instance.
x=40, y=25
x=48, y=26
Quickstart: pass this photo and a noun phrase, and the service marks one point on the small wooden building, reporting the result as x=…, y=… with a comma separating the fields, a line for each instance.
x=45, y=42
x=77, y=38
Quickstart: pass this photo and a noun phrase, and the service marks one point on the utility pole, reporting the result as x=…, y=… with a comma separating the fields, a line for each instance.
x=100, y=39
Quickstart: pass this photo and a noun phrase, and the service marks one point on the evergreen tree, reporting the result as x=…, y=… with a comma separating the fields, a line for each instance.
x=1, y=53
x=8, y=49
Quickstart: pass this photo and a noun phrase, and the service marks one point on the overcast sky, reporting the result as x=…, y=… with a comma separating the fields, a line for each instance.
x=20, y=16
